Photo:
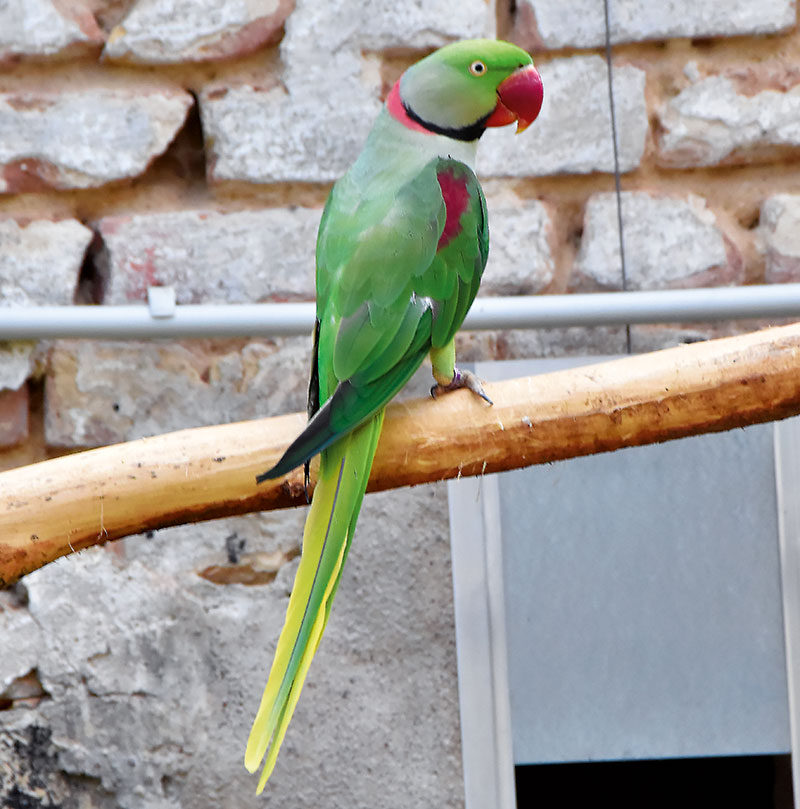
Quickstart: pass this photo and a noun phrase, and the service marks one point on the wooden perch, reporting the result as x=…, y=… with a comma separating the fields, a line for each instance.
x=52, y=508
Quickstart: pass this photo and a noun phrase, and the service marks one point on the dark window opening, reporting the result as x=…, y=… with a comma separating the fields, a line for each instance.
x=755, y=782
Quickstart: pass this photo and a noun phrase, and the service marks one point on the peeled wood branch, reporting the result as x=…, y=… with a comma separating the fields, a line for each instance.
x=55, y=507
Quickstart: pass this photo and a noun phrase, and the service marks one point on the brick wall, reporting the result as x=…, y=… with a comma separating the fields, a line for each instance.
x=193, y=144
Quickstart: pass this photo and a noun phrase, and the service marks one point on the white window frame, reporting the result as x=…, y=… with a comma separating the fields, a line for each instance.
x=479, y=603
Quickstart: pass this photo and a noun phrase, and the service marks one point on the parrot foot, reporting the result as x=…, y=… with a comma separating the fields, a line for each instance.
x=462, y=379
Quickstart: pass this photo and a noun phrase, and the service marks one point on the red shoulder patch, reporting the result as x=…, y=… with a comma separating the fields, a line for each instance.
x=456, y=199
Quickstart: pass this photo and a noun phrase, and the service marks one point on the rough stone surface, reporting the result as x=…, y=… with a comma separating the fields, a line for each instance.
x=779, y=237
x=18, y=359
x=520, y=256
x=164, y=31
x=154, y=673
x=108, y=13
x=104, y=392
x=312, y=126
x=113, y=134
x=656, y=337
x=29, y=774
x=714, y=121
x=572, y=134
x=210, y=257
x=512, y=344
x=581, y=23
x=40, y=261
x=13, y=416
x=668, y=243
x=44, y=28
x=319, y=28
x=262, y=135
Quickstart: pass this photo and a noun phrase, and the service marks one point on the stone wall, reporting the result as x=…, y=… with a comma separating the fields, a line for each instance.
x=192, y=143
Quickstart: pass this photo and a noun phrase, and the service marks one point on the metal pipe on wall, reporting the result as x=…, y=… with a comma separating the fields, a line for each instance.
x=517, y=312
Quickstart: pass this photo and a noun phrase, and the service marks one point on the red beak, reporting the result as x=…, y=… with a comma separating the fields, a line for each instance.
x=519, y=98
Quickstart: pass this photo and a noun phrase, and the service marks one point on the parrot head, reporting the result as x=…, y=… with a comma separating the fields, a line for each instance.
x=462, y=88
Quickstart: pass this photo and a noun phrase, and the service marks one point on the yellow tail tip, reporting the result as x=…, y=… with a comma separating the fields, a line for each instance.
x=253, y=757
x=268, y=768
x=257, y=744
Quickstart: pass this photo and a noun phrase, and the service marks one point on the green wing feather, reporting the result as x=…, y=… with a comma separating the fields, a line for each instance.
x=389, y=290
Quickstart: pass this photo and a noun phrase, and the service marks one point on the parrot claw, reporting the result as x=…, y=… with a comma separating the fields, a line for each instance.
x=462, y=379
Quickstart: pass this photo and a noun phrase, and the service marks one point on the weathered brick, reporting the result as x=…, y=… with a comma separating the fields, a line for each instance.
x=513, y=344
x=319, y=28
x=779, y=238
x=45, y=28
x=13, y=416
x=40, y=261
x=103, y=392
x=166, y=31
x=312, y=126
x=581, y=23
x=211, y=257
x=108, y=13
x=572, y=134
x=39, y=265
x=261, y=136
x=85, y=138
x=668, y=243
x=655, y=337
x=520, y=259
x=18, y=359
x=716, y=120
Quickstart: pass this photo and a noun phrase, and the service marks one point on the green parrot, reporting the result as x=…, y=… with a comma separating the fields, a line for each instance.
x=401, y=248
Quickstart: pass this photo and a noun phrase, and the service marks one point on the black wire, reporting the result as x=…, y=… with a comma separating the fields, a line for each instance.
x=617, y=184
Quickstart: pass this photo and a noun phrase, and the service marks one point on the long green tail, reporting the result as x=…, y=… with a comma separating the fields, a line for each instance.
x=344, y=471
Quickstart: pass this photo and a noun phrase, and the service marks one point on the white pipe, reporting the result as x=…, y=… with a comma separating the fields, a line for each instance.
x=522, y=312
x=618, y=308
x=136, y=321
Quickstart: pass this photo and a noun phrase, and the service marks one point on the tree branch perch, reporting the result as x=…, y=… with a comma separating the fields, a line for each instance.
x=55, y=507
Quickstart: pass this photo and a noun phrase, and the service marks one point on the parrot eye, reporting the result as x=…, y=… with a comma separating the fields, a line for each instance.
x=477, y=68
